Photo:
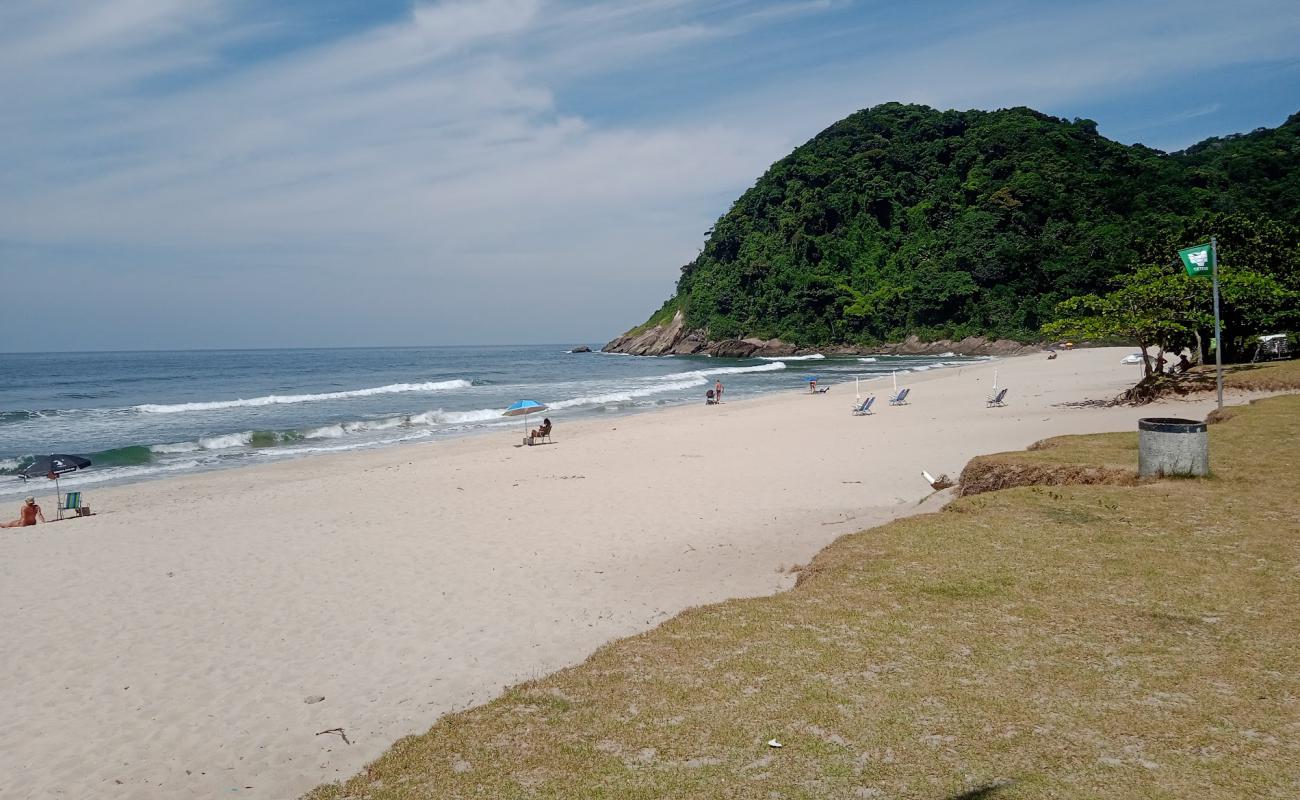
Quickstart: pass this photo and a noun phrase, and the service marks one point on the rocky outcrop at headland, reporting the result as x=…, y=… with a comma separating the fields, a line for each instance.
x=674, y=339
x=661, y=340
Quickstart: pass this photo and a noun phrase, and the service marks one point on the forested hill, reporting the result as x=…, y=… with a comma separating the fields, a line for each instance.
x=902, y=220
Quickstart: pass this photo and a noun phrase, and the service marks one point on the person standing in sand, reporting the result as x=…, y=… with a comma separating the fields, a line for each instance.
x=27, y=515
x=717, y=391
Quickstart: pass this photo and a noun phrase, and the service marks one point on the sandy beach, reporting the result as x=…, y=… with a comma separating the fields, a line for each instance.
x=169, y=645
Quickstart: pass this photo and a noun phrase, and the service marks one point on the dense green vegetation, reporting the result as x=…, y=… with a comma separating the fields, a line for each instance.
x=905, y=220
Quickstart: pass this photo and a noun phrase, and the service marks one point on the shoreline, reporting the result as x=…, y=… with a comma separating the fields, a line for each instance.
x=97, y=482
x=404, y=582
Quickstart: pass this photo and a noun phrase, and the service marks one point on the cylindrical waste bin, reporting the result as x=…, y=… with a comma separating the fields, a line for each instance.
x=1171, y=446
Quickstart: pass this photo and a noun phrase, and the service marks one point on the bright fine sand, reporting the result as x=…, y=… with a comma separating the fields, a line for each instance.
x=167, y=646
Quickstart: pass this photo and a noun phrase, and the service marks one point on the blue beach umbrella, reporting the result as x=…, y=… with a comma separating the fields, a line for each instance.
x=522, y=408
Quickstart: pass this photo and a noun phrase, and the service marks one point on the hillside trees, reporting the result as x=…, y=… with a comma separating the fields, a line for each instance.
x=901, y=219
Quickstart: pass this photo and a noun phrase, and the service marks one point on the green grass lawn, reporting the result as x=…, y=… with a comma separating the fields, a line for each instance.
x=1069, y=641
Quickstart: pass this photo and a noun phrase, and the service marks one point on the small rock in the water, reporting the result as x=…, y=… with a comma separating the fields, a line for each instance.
x=316, y=698
x=581, y=349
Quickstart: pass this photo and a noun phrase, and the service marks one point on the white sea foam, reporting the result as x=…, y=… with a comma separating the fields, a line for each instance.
x=867, y=360
x=98, y=475
x=629, y=395
x=458, y=417
x=341, y=448
x=709, y=373
x=274, y=400
x=946, y=355
x=226, y=442
x=812, y=357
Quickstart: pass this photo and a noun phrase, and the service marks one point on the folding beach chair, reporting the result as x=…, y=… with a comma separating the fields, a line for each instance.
x=996, y=400
x=865, y=407
x=543, y=438
x=72, y=502
x=899, y=398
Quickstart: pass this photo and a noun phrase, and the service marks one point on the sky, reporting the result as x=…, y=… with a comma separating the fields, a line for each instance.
x=232, y=173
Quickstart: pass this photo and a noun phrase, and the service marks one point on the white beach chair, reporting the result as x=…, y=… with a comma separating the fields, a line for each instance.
x=899, y=398
x=996, y=400
x=864, y=408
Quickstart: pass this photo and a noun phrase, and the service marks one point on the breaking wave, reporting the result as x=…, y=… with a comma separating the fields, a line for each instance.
x=288, y=399
x=812, y=357
x=709, y=373
x=629, y=395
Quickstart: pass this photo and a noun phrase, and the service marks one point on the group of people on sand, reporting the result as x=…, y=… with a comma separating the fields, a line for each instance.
x=714, y=396
x=1182, y=366
x=27, y=515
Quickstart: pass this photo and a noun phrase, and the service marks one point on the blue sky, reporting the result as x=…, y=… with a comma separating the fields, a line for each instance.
x=232, y=173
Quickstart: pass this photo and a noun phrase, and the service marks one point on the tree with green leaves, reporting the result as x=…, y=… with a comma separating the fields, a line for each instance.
x=1151, y=306
x=1158, y=306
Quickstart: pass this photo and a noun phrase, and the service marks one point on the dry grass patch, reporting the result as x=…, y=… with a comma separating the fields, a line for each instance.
x=1071, y=642
x=1109, y=459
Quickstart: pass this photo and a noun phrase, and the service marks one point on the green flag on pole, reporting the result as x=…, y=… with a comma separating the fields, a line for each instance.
x=1198, y=260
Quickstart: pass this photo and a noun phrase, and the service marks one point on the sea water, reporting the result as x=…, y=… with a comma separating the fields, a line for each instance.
x=141, y=415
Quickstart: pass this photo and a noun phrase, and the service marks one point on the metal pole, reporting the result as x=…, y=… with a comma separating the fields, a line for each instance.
x=1218, y=334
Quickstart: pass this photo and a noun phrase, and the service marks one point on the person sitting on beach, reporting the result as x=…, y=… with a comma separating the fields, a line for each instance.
x=1183, y=363
x=27, y=515
x=812, y=386
x=543, y=431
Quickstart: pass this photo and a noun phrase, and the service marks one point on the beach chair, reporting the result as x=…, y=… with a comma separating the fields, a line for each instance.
x=865, y=407
x=545, y=438
x=899, y=398
x=72, y=503
x=996, y=400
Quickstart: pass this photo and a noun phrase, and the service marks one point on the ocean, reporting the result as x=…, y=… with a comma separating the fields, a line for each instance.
x=141, y=415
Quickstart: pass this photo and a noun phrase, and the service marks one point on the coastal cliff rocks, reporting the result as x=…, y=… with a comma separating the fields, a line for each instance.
x=661, y=340
x=675, y=339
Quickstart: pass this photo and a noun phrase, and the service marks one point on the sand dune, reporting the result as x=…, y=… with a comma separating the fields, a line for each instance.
x=167, y=646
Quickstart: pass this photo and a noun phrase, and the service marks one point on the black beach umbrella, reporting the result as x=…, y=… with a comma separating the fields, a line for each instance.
x=52, y=467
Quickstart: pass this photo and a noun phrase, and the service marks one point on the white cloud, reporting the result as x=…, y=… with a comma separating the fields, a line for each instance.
x=444, y=147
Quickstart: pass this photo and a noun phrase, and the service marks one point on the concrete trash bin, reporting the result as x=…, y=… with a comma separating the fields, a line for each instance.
x=1171, y=446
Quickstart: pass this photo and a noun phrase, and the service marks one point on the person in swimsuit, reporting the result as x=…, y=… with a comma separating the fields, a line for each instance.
x=27, y=515
x=717, y=391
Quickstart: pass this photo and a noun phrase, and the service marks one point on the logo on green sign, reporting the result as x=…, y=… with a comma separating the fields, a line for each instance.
x=1198, y=260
